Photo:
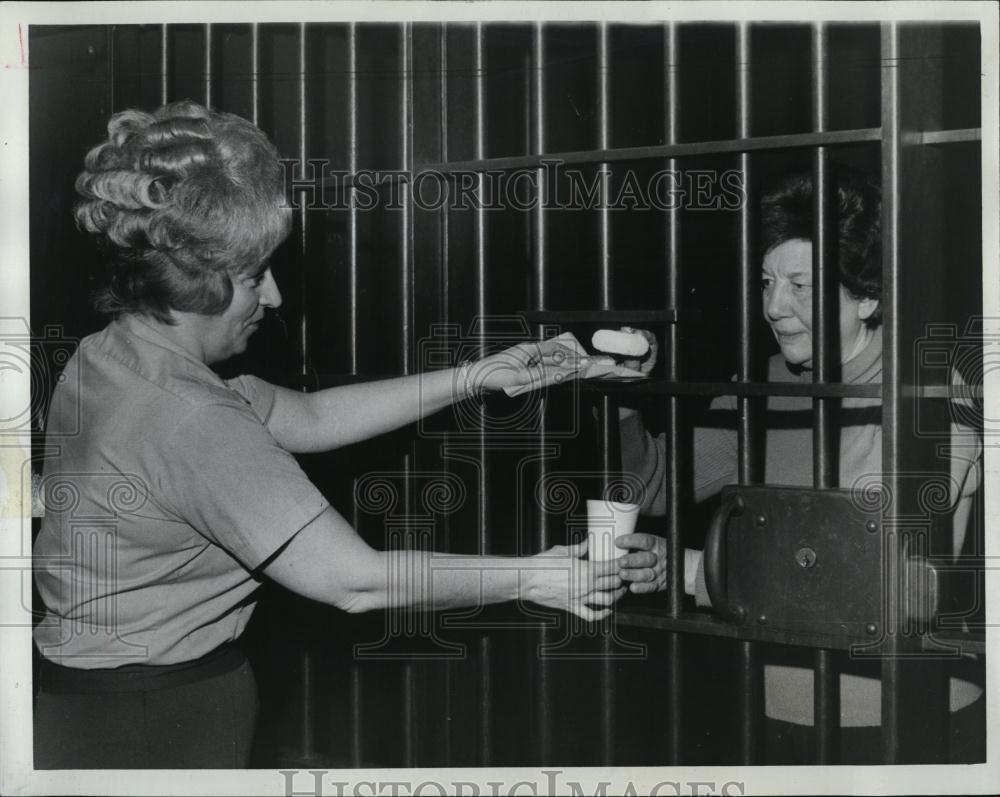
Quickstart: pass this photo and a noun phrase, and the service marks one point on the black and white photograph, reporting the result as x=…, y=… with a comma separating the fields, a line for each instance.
x=494, y=398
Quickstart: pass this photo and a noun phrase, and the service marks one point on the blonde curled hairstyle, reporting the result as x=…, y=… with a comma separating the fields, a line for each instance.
x=180, y=199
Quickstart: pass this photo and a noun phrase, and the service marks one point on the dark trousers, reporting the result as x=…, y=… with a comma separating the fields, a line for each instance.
x=787, y=743
x=198, y=723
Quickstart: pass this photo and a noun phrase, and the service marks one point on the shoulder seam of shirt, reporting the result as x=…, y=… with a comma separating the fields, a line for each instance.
x=186, y=398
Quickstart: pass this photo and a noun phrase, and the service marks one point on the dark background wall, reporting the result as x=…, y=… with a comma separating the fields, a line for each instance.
x=394, y=706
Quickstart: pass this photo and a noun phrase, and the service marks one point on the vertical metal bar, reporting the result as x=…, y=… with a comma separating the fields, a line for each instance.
x=405, y=49
x=538, y=147
x=406, y=163
x=352, y=211
x=826, y=714
x=444, y=215
x=357, y=715
x=356, y=680
x=609, y=411
x=303, y=216
x=825, y=344
x=536, y=122
x=892, y=675
x=164, y=64
x=255, y=73
x=751, y=702
x=110, y=67
x=745, y=371
x=208, y=64
x=308, y=751
x=485, y=642
x=749, y=677
x=308, y=735
x=409, y=714
x=444, y=230
x=355, y=683
x=915, y=693
x=480, y=153
x=672, y=358
x=611, y=464
x=603, y=142
x=671, y=67
x=826, y=717
x=479, y=235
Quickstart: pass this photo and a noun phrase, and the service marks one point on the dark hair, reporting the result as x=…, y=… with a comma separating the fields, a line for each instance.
x=180, y=199
x=787, y=214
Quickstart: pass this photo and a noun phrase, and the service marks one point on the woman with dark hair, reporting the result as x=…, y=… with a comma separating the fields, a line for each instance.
x=180, y=494
x=787, y=215
x=786, y=293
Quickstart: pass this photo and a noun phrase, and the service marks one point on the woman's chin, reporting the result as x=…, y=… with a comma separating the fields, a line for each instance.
x=794, y=356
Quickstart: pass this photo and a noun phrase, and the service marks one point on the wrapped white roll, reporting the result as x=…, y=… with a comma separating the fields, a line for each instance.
x=626, y=344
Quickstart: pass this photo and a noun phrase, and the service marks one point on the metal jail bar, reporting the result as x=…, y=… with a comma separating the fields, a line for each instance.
x=165, y=65
x=892, y=304
x=826, y=683
x=672, y=371
x=405, y=136
x=749, y=671
x=535, y=118
x=611, y=460
x=356, y=684
x=486, y=741
x=912, y=730
x=308, y=739
x=898, y=677
x=208, y=65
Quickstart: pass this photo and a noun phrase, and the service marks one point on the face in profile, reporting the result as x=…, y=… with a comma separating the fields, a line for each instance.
x=786, y=282
x=228, y=333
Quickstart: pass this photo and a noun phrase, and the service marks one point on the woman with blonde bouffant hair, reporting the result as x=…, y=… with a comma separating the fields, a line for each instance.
x=195, y=475
x=183, y=197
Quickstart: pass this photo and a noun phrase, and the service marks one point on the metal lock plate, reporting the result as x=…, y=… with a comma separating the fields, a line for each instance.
x=805, y=560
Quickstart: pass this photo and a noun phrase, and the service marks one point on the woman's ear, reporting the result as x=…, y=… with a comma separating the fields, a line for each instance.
x=866, y=307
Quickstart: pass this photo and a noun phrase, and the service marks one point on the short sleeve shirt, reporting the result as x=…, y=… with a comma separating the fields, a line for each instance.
x=160, y=506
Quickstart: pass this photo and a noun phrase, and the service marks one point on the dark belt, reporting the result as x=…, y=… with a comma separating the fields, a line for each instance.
x=57, y=679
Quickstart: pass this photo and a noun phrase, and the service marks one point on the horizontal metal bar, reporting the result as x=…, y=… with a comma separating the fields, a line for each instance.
x=665, y=388
x=708, y=624
x=661, y=151
x=943, y=391
x=657, y=152
x=943, y=136
x=645, y=386
x=602, y=316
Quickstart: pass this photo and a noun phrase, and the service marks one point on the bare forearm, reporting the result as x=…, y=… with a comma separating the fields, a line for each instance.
x=327, y=561
x=327, y=419
x=339, y=416
x=434, y=581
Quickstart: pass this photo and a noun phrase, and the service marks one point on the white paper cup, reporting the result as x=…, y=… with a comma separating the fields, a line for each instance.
x=606, y=522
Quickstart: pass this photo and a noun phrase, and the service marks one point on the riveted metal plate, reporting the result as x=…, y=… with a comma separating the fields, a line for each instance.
x=811, y=566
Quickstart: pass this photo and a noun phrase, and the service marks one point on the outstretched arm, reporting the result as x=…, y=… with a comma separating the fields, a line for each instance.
x=327, y=561
x=339, y=416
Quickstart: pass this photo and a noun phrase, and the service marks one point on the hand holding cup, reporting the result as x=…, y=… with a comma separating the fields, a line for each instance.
x=608, y=521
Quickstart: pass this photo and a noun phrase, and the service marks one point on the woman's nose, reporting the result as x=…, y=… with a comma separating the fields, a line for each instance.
x=270, y=296
x=775, y=303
